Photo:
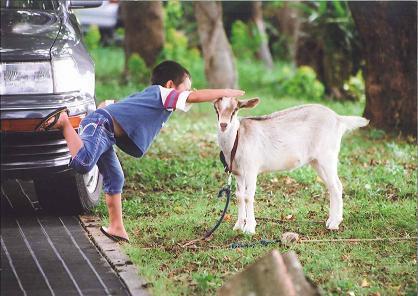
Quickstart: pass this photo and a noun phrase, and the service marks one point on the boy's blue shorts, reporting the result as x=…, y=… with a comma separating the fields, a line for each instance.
x=96, y=132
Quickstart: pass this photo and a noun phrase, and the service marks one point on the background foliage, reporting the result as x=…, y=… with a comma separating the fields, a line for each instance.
x=169, y=198
x=169, y=195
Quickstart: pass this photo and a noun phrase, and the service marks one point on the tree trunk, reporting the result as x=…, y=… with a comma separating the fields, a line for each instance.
x=219, y=63
x=263, y=52
x=289, y=21
x=144, y=29
x=320, y=47
x=389, y=34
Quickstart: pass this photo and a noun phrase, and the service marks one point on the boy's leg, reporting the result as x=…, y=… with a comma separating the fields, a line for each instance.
x=73, y=140
x=113, y=179
x=114, y=206
x=111, y=170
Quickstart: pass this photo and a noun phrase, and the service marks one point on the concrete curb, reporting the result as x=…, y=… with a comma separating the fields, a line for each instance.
x=113, y=253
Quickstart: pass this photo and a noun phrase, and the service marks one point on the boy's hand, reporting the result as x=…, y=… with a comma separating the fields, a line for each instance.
x=233, y=92
x=105, y=103
x=209, y=95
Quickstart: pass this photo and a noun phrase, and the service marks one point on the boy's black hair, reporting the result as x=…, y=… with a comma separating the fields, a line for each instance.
x=168, y=70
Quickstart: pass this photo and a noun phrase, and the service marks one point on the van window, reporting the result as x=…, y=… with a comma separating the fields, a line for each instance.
x=30, y=4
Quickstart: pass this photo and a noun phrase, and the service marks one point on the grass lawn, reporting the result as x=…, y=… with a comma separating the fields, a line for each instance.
x=170, y=198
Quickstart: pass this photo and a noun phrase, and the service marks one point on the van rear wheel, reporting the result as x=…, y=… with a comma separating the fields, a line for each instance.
x=70, y=193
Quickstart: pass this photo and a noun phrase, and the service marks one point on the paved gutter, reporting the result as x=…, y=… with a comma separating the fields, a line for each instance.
x=49, y=255
x=43, y=254
x=114, y=254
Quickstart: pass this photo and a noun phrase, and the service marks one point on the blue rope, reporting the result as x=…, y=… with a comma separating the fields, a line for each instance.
x=227, y=190
x=263, y=242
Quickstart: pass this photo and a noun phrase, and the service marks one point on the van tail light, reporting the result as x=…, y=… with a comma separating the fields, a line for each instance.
x=28, y=125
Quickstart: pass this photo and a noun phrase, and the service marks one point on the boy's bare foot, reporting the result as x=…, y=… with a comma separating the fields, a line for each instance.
x=115, y=234
x=56, y=120
x=62, y=121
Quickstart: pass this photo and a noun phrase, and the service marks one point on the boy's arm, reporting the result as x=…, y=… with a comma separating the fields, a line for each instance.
x=173, y=99
x=208, y=95
x=105, y=103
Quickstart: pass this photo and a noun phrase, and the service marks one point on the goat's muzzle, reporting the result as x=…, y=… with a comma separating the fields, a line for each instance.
x=223, y=126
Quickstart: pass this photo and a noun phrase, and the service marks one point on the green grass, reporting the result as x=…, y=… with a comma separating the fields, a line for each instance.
x=170, y=198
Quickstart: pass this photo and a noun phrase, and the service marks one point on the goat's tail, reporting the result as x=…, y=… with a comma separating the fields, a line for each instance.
x=353, y=122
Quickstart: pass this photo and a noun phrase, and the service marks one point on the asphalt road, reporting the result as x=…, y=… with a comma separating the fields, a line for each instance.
x=48, y=255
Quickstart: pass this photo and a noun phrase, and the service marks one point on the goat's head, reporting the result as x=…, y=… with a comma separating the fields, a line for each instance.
x=227, y=108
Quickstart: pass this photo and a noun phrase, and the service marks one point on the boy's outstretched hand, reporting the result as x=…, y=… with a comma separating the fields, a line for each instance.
x=233, y=93
x=208, y=95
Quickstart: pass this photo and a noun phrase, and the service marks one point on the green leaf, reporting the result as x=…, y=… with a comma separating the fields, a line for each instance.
x=341, y=12
x=322, y=7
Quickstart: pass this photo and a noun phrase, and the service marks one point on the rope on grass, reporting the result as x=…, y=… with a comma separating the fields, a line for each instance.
x=359, y=240
x=227, y=191
x=288, y=220
x=265, y=242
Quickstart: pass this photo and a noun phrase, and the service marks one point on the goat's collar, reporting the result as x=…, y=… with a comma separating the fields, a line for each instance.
x=233, y=152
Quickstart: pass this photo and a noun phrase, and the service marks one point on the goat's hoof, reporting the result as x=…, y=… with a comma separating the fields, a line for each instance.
x=239, y=226
x=333, y=224
x=249, y=229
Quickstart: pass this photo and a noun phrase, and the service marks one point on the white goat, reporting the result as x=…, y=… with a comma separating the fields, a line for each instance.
x=284, y=140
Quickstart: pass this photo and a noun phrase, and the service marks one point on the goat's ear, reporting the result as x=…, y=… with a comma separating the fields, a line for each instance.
x=251, y=103
x=215, y=103
x=217, y=100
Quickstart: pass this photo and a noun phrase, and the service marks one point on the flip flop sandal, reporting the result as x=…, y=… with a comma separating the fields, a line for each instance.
x=44, y=125
x=115, y=238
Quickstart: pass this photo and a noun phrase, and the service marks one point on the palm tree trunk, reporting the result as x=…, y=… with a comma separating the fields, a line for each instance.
x=389, y=34
x=219, y=63
x=263, y=52
x=144, y=29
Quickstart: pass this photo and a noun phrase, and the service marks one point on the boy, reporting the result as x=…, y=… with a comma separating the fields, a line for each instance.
x=132, y=125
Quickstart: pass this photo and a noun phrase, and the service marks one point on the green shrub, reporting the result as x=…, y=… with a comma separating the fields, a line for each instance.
x=173, y=14
x=355, y=87
x=281, y=81
x=138, y=71
x=302, y=84
x=280, y=49
x=120, y=33
x=254, y=75
x=92, y=37
x=176, y=48
x=245, y=40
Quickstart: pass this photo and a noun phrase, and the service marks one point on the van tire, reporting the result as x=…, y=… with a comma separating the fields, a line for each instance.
x=67, y=193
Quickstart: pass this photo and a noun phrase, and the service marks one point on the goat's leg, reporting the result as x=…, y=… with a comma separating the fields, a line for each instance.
x=336, y=205
x=327, y=171
x=240, y=194
x=250, y=183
